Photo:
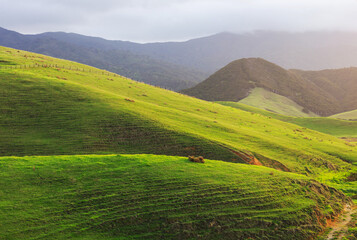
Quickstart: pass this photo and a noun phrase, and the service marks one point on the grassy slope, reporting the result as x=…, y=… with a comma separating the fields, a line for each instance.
x=157, y=197
x=338, y=83
x=335, y=127
x=65, y=110
x=44, y=114
x=235, y=81
x=102, y=54
x=50, y=115
x=261, y=98
x=351, y=115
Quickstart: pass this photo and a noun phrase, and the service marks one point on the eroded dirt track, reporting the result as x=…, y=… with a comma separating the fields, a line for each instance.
x=340, y=227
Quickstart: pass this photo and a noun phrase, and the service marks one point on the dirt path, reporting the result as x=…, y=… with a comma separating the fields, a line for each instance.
x=339, y=228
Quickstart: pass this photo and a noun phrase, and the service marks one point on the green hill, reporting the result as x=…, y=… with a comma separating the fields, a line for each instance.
x=50, y=106
x=341, y=84
x=324, y=92
x=73, y=108
x=261, y=98
x=351, y=115
x=158, y=197
x=104, y=54
x=335, y=127
x=235, y=81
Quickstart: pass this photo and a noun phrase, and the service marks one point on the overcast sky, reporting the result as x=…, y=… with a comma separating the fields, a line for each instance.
x=175, y=20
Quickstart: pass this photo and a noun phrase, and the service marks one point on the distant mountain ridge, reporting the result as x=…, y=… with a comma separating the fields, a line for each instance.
x=341, y=84
x=307, y=51
x=102, y=54
x=322, y=92
x=180, y=65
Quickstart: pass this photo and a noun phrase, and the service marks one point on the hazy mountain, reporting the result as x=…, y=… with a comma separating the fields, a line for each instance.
x=139, y=67
x=179, y=65
x=322, y=92
x=308, y=51
x=341, y=84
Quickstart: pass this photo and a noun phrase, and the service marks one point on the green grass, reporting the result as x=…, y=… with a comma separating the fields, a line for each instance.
x=338, y=128
x=261, y=98
x=335, y=127
x=351, y=115
x=59, y=107
x=157, y=197
x=76, y=109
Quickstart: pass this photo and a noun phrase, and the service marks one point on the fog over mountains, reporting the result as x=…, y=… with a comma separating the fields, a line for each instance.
x=179, y=65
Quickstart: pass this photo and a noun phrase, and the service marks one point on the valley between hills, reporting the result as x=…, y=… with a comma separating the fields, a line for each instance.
x=90, y=154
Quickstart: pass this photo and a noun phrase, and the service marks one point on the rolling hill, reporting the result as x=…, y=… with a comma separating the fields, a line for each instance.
x=53, y=107
x=312, y=91
x=308, y=50
x=336, y=127
x=158, y=197
x=261, y=98
x=351, y=115
x=180, y=65
x=133, y=65
x=235, y=82
x=339, y=83
x=42, y=94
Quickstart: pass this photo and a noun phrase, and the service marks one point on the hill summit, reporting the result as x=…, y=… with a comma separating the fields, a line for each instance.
x=238, y=79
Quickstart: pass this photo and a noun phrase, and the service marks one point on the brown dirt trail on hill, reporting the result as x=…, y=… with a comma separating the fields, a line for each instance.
x=340, y=227
x=248, y=158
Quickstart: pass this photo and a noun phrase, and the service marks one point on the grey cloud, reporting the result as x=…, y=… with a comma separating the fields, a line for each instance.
x=163, y=20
